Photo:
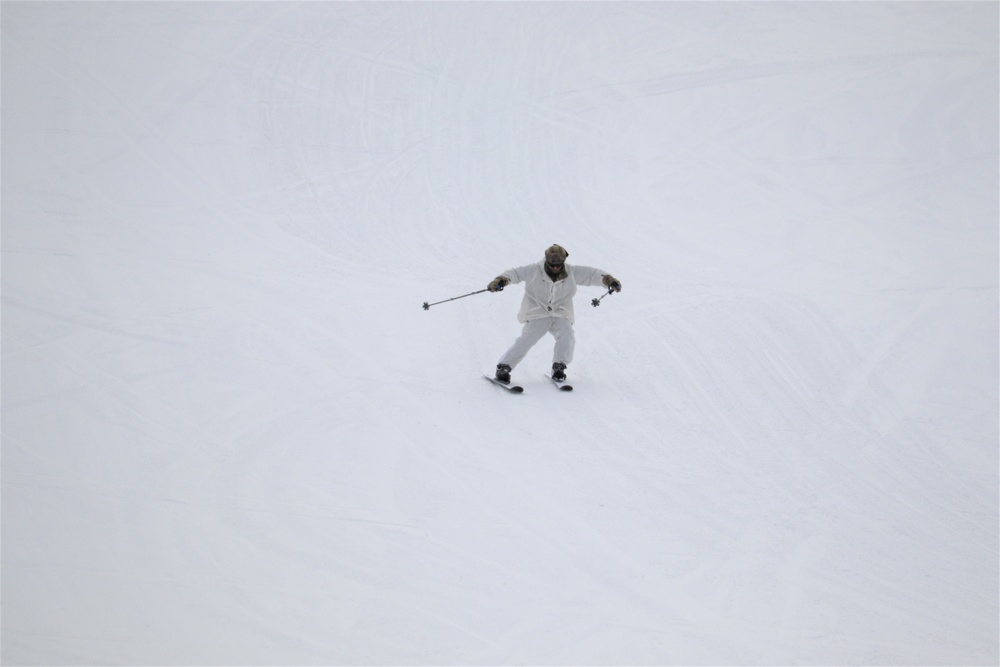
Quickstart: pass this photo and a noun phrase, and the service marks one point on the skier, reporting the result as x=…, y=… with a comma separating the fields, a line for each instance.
x=549, y=286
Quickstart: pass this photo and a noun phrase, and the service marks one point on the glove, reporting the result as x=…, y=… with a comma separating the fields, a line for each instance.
x=612, y=284
x=498, y=284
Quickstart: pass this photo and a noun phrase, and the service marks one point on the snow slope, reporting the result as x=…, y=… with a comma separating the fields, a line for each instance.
x=232, y=436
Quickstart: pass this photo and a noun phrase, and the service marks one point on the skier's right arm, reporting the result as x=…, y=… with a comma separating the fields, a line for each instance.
x=498, y=284
x=511, y=277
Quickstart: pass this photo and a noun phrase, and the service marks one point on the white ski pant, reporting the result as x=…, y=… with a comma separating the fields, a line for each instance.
x=559, y=327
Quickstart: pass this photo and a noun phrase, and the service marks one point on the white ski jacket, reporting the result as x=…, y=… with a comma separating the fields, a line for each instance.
x=544, y=297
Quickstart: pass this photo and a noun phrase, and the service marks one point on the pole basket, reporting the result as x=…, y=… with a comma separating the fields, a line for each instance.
x=596, y=302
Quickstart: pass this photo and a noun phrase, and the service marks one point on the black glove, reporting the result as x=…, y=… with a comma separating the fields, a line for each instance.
x=611, y=283
x=498, y=284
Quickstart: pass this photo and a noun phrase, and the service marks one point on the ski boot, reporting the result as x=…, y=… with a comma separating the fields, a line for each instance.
x=559, y=371
x=503, y=373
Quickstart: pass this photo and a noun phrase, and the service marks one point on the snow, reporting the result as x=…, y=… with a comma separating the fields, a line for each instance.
x=231, y=435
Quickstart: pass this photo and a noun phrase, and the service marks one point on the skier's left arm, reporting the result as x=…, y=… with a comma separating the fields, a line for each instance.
x=588, y=275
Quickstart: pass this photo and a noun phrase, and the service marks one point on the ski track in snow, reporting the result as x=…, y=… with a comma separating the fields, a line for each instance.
x=231, y=436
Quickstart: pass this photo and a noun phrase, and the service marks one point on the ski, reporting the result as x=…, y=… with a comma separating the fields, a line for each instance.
x=514, y=389
x=562, y=385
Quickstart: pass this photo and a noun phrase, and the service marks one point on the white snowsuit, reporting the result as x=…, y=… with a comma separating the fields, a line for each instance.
x=547, y=306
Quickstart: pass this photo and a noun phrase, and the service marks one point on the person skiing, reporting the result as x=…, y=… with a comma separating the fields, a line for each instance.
x=547, y=307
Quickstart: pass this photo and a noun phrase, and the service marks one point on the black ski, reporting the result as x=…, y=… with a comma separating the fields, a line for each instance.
x=562, y=385
x=514, y=389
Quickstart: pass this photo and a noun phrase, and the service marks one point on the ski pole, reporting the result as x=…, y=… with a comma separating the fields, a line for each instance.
x=427, y=306
x=596, y=302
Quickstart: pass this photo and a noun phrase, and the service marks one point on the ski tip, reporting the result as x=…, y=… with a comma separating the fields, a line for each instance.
x=514, y=389
x=557, y=383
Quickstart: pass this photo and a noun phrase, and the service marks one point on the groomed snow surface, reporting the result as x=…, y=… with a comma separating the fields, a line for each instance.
x=231, y=434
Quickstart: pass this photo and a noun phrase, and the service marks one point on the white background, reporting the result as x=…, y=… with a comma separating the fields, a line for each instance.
x=231, y=434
